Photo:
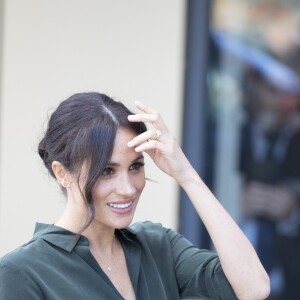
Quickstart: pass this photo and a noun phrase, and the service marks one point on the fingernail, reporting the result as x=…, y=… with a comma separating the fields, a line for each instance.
x=130, y=144
x=130, y=117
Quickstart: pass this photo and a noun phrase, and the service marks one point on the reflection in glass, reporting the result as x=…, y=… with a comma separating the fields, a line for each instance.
x=254, y=129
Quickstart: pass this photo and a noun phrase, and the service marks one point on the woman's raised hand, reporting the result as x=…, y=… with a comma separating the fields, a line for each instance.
x=160, y=144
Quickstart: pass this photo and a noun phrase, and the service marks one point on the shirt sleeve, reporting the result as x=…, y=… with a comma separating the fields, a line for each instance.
x=198, y=272
x=15, y=284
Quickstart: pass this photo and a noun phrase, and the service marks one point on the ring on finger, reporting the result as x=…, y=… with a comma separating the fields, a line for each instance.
x=157, y=135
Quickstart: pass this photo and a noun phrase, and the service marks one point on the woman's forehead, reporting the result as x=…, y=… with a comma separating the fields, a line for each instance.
x=121, y=151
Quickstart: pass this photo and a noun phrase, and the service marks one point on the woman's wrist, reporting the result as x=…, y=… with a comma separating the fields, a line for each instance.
x=188, y=177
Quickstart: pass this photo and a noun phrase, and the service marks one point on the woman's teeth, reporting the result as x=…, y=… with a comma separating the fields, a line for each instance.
x=123, y=205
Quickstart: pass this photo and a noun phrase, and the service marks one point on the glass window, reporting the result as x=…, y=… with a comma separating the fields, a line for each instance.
x=254, y=129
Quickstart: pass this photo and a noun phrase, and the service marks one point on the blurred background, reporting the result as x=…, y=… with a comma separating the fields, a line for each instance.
x=225, y=74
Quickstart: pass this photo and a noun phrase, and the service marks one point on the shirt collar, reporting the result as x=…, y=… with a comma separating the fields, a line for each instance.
x=66, y=239
x=58, y=236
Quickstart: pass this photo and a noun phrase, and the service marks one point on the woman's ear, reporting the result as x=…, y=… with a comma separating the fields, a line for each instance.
x=61, y=174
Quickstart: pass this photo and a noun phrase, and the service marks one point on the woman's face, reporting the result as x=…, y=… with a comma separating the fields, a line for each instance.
x=118, y=190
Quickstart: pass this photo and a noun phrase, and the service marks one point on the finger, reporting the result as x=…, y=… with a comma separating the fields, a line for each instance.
x=152, y=118
x=151, y=145
x=158, y=120
x=142, y=138
x=155, y=119
x=143, y=107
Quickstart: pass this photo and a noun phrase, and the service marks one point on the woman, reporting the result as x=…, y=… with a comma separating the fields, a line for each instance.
x=94, y=147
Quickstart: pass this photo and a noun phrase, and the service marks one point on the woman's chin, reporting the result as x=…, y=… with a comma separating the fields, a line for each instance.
x=116, y=221
x=122, y=223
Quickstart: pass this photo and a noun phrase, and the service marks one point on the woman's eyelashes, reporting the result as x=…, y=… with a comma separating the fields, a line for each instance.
x=136, y=166
x=110, y=171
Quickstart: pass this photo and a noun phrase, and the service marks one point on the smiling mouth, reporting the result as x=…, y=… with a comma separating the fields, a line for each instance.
x=120, y=205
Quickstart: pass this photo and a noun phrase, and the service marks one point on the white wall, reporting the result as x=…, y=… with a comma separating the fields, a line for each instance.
x=129, y=49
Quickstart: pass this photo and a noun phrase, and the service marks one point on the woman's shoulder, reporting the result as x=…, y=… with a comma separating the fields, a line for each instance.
x=151, y=232
x=146, y=228
x=18, y=272
x=152, y=229
x=21, y=257
x=28, y=254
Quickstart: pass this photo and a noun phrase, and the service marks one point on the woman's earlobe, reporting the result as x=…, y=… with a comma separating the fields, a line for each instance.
x=65, y=183
x=61, y=174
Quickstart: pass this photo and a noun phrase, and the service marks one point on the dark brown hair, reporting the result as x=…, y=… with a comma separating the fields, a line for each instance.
x=83, y=128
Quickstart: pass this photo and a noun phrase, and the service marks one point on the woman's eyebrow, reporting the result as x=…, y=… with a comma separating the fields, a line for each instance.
x=138, y=158
x=114, y=164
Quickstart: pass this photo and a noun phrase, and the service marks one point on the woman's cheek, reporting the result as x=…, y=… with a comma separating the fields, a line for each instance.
x=102, y=190
x=142, y=181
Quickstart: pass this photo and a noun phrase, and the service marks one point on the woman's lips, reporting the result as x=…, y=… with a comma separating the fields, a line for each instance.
x=121, y=207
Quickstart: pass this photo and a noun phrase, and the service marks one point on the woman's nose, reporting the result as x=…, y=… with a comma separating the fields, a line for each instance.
x=125, y=186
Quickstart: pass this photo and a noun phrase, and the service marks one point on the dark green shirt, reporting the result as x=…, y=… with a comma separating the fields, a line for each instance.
x=162, y=264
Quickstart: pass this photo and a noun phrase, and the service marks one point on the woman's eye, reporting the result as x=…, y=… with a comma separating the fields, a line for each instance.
x=136, y=166
x=108, y=172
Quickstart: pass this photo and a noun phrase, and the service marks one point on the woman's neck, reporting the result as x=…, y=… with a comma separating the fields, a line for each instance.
x=100, y=237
